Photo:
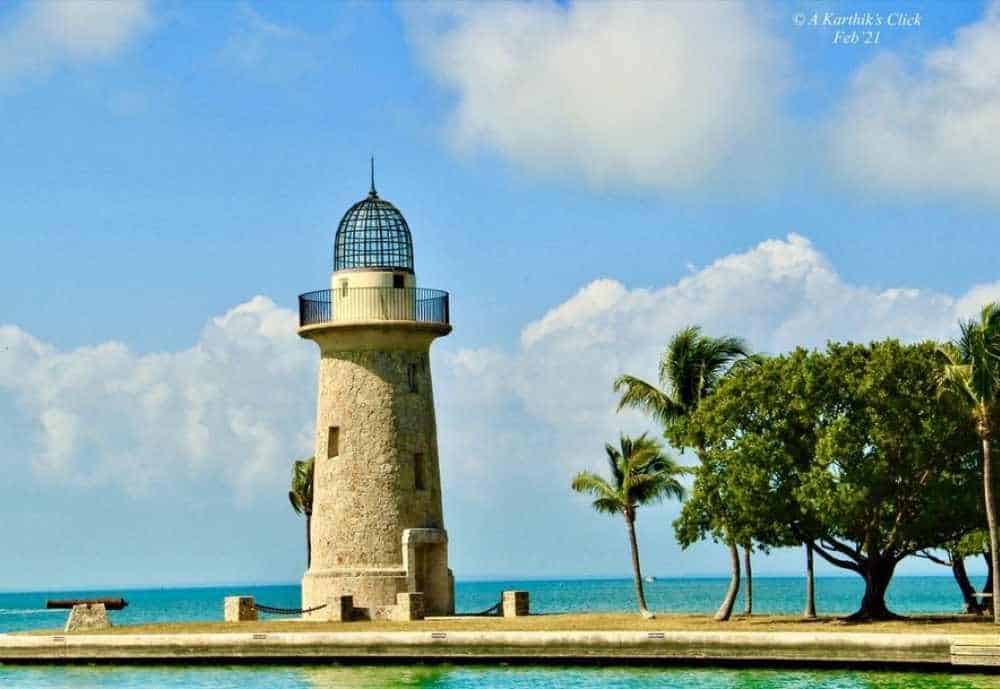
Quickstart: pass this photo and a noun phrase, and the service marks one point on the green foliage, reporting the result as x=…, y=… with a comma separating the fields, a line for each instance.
x=974, y=543
x=864, y=451
x=301, y=492
x=690, y=369
x=970, y=377
x=759, y=431
x=970, y=380
x=641, y=474
x=848, y=448
x=894, y=470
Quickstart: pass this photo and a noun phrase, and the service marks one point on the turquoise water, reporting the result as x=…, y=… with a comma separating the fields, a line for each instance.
x=19, y=611
x=451, y=677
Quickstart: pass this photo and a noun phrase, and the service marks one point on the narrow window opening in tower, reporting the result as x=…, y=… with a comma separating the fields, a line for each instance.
x=333, y=442
x=418, y=471
x=411, y=377
x=398, y=281
x=343, y=288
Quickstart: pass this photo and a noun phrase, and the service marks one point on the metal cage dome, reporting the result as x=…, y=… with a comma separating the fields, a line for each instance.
x=373, y=234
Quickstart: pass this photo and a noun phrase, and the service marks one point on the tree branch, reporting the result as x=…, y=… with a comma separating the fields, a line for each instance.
x=842, y=548
x=836, y=561
x=927, y=556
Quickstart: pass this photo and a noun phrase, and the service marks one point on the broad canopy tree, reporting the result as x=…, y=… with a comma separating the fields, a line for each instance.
x=849, y=450
x=757, y=435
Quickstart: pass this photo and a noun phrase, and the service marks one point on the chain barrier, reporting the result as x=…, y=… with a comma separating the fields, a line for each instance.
x=492, y=610
x=285, y=611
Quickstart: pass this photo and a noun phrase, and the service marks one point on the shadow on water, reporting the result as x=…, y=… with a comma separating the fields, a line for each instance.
x=453, y=677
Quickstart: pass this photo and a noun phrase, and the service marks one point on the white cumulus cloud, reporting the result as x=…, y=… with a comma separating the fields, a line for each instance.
x=516, y=424
x=659, y=95
x=779, y=294
x=40, y=36
x=928, y=127
x=237, y=405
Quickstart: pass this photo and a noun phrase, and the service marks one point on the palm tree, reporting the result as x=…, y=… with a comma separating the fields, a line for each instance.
x=640, y=474
x=971, y=377
x=690, y=369
x=301, y=497
x=810, y=610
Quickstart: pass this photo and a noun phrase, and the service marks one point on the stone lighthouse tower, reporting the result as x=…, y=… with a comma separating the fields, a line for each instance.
x=378, y=527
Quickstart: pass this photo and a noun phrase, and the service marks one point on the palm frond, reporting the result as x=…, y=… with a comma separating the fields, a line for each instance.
x=606, y=498
x=607, y=505
x=591, y=483
x=693, y=364
x=750, y=361
x=680, y=366
x=955, y=384
x=718, y=352
x=641, y=474
x=638, y=394
x=978, y=349
x=300, y=494
x=970, y=370
x=990, y=317
x=614, y=464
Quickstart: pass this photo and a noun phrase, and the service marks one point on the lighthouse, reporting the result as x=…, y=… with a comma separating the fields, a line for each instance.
x=377, y=521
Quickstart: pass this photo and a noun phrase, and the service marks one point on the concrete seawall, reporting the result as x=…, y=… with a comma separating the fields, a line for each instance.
x=814, y=649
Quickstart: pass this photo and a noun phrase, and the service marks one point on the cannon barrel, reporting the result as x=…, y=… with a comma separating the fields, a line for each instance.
x=68, y=603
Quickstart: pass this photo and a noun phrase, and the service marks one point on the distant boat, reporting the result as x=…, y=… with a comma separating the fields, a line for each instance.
x=649, y=579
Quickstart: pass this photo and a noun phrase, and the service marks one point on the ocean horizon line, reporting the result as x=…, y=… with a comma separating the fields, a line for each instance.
x=483, y=579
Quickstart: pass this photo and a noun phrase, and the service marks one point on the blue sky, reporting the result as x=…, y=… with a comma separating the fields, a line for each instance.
x=584, y=179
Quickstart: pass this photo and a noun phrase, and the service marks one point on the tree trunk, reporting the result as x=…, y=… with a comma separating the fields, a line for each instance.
x=985, y=602
x=991, y=521
x=640, y=594
x=964, y=585
x=877, y=574
x=726, y=609
x=308, y=540
x=810, y=612
x=748, y=574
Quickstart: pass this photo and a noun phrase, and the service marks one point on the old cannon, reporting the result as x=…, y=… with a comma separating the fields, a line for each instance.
x=67, y=604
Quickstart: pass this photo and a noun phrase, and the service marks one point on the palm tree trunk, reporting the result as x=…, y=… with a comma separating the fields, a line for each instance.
x=640, y=594
x=726, y=609
x=810, y=612
x=987, y=603
x=748, y=574
x=308, y=540
x=991, y=521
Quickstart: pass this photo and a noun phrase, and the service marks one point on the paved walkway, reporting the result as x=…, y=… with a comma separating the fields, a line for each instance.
x=824, y=648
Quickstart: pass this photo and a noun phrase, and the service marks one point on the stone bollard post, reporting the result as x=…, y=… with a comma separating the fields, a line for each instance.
x=409, y=607
x=239, y=609
x=86, y=617
x=515, y=603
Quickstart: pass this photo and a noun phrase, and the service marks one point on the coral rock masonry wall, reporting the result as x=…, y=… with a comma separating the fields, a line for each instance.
x=375, y=389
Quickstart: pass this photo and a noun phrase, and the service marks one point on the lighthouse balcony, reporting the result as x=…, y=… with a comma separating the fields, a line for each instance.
x=364, y=304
